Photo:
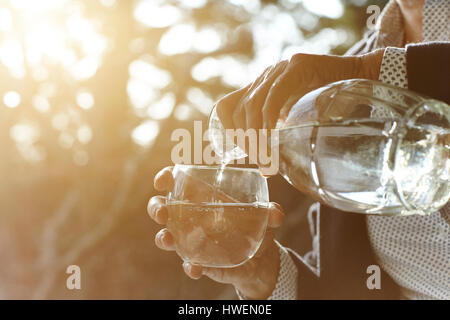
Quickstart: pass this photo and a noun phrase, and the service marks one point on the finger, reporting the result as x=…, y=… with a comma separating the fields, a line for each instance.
x=193, y=271
x=164, y=240
x=253, y=108
x=261, y=78
x=248, y=113
x=256, y=100
x=277, y=96
x=164, y=180
x=240, y=113
x=157, y=209
x=226, y=105
x=276, y=215
x=234, y=112
x=239, y=116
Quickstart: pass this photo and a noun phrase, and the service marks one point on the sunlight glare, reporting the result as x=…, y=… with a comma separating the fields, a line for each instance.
x=332, y=9
x=5, y=19
x=154, y=14
x=182, y=38
x=251, y=6
x=48, y=41
x=24, y=133
x=60, y=121
x=179, y=39
x=11, y=55
x=207, y=40
x=321, y=43
x=145, y=80
x=150, y=74
x=192, y=3
x=139, y=93
x=85, y=68
x=162, y=108
x=145, y=134
x=47, y=89
x=183, y=112
x=11, y=99
x=84, y=134
x=108, y=3
x=201, y=101
x=41, y=103
x=85, y=99
x=206, y=69
x=39, y=73
x=36, y=6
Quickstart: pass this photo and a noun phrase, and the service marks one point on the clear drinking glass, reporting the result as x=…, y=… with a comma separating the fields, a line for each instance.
x=217, y=215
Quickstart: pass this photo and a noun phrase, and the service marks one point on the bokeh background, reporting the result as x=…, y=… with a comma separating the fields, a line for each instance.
x=90, y=92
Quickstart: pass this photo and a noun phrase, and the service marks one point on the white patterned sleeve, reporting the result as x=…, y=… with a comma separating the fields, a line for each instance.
x=286, y=287
x=435, y=17
x=393, y=67
x=392, y=71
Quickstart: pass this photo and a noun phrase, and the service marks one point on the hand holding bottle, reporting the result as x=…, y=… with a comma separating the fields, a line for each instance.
x=270, y=97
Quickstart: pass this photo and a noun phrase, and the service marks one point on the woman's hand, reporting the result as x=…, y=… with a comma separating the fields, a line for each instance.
x=255, y=279
x=275, y=91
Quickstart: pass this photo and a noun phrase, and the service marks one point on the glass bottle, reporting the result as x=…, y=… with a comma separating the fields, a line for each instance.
x=363, y=146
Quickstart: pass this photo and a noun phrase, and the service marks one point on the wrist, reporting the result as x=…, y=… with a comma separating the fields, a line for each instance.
x=370, y=64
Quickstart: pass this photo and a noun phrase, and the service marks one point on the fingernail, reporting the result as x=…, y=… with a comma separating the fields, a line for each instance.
x=166, y=238
x=158, y=239
x=277, y=206
x=187, y=266
x=156, y=210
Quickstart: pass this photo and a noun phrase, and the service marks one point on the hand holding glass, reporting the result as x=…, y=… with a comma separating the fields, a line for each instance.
x=218, y=218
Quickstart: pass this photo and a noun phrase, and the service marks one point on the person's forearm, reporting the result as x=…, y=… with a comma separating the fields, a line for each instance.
x=370, y=64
